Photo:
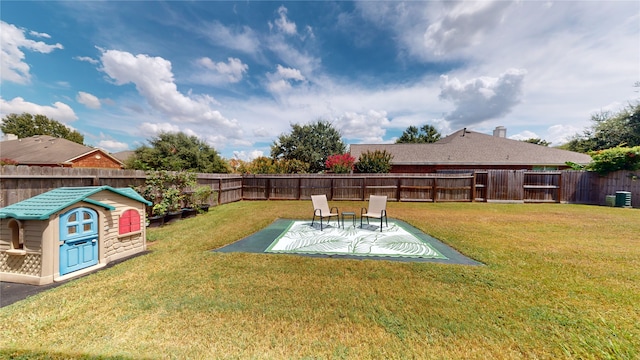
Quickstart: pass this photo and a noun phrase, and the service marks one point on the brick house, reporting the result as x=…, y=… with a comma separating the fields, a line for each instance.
x=44, y=150
x=472, y=150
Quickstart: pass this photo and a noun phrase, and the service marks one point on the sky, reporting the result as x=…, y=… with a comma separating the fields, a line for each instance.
x=238, y=74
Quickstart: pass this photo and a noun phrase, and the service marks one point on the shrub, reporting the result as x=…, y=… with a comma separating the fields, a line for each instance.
x=340, y=163
x=614, y=159
x=266, y=165
x=167, y=190
x=293, y=166
x=202, y=194
x=374, y=162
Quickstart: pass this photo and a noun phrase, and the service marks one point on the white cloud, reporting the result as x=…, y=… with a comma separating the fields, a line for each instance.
x=281, y=80
x=288, y=53
x=482, y=98
x=37, y=34
x=466, y=24
x=283, y=24
x=561, y=134
x=261, y=132
x=154, y=80
x=220, y=72
x=87, y=59
x=247, y=155
x=368, y=127
x=12, y=60
x=309, y=34
x=555, y=134
x=88, y=100
x=151, y=129
x=525, y=135
x=59, y=111
x=243, y=39
x=288, y=73
x=112, y=145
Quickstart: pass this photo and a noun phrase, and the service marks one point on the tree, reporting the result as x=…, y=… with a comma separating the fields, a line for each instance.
x=27, y=125
x=412, y=135
x=374, y=162
x=311, y=143
x=178, y=152
x=537, y=141
x=609, y=130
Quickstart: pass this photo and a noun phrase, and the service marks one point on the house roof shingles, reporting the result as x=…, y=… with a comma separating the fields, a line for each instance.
x=472, y=148
x=44, y=149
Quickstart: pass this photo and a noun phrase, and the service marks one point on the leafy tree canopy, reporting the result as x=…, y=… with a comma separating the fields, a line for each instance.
x=609, y=130
x=178, y=152
x=27, y=125
x=614, y=159
x=537, y=141
x=310, y=143
x=425, y=134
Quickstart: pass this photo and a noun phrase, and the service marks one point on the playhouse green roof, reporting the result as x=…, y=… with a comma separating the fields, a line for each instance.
x=41, y=207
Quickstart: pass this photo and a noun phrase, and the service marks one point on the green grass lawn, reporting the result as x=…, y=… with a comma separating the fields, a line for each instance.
x=560, y=281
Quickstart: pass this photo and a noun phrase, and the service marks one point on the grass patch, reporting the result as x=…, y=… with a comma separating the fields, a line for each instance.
x=560, y=281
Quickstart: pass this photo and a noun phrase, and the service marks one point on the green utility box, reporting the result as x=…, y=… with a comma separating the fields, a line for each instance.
x=623, y=199
x=610, y=200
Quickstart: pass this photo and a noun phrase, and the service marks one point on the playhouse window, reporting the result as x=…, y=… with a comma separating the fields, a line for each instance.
x=129, y=222
x=17, y=238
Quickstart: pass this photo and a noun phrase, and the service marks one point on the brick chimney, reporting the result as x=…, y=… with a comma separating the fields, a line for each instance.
x=500, y=131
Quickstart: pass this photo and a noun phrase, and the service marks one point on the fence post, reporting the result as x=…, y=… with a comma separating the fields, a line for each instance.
x=560, y=186
x=473, y=187
x=435, y=189
x=331, y=190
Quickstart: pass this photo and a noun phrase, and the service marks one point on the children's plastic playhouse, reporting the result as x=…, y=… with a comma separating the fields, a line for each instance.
x=69, y=231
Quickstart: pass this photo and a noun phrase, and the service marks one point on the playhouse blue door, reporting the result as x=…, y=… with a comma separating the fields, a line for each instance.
x=79, y=238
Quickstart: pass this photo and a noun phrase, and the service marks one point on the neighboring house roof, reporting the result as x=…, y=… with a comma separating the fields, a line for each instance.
x=41, y=207
x=123, y=155
x=44, y=149
x=473, y=148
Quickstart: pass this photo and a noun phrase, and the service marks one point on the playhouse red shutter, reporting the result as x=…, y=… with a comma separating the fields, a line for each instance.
x=129, y=222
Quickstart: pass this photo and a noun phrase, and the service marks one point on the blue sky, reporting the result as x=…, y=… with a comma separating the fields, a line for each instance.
x=238, y=74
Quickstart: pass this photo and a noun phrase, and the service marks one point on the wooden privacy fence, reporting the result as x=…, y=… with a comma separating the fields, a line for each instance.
x=18, y=183
x=576, y=187
x=420, y=187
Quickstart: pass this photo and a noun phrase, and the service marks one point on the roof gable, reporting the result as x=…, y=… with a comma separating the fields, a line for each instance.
x=41, y=207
